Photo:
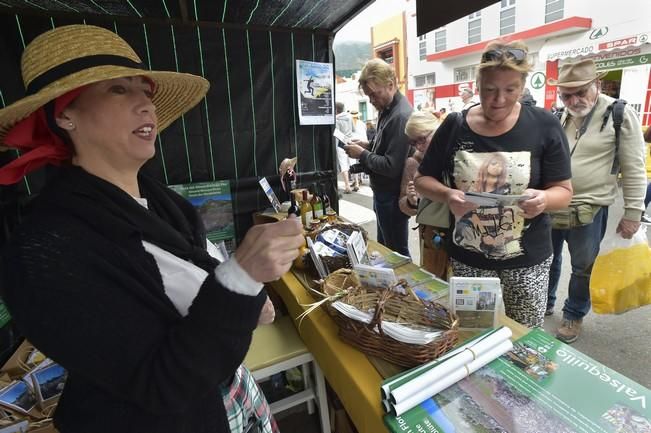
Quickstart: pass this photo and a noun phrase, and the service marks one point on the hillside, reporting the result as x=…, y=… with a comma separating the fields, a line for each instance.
x=350, y=56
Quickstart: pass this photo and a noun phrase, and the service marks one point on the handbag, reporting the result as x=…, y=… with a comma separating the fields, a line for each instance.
x=436, y=213
x=433, y=213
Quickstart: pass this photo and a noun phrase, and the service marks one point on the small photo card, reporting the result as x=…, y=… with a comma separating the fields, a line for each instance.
x=18, y=397
x=49, y=382
x=476, y=301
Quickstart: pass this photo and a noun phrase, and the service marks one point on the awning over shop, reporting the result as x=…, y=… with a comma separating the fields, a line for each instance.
x=593, y=41
x=565, y=26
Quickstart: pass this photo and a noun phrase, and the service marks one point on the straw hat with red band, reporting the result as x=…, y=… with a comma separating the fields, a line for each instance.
x=70, y=57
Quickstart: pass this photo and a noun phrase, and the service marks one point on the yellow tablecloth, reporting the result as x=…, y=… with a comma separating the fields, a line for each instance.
x=350, y=373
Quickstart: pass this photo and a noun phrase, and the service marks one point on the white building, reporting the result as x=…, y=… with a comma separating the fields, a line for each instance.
x=349, y=93
x=616, y=35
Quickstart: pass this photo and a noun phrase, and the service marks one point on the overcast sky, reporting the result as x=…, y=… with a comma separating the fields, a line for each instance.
x=359, y=28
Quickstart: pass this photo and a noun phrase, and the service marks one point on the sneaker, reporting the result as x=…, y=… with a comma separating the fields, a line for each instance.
x=549, y=311
x=569, y=330
x=646, y=219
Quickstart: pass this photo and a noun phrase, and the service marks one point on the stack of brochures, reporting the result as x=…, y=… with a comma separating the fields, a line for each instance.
x=390, y=260
x=541, y=385
x=392, y=329
x=407, y=390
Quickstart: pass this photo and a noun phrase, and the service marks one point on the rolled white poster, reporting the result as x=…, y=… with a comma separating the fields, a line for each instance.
x=466, y=356
x=452, y=378
x=386, y=387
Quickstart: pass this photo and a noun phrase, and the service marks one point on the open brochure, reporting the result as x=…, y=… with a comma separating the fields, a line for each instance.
x=542, y=385
x=491, y=199
x=475, y=301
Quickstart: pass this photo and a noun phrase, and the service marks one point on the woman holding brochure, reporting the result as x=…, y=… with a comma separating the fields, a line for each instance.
x=518, y=152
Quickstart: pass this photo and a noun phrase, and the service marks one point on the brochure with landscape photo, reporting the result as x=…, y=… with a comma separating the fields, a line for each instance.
x=213, y=202
x=541, y=386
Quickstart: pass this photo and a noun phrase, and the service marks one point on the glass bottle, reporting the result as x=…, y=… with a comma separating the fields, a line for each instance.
x=317, y=204
x=306, y=210
x=293, y=207
x=325, y=200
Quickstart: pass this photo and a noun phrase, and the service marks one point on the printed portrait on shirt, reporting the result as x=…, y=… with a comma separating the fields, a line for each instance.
x=494, y=231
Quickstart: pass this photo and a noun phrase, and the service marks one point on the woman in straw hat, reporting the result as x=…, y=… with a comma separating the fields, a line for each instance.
x=110, y=273
x=520, y=146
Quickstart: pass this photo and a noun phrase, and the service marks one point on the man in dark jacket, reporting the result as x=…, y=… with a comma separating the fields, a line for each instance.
x=384, y=157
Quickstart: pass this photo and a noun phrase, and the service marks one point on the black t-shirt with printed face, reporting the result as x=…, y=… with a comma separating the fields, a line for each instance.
x=531, y=155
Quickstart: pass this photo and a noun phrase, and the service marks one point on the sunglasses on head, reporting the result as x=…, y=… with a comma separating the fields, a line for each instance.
x=516, y=54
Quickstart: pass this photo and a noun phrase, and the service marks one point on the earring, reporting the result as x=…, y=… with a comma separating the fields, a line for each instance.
x=71, y=125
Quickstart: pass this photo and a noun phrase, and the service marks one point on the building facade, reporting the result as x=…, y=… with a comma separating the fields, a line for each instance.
x=443, y=62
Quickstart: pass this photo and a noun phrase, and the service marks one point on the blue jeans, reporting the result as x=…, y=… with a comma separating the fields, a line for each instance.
x=583, y=244
x=392, y=224
x=647, y=197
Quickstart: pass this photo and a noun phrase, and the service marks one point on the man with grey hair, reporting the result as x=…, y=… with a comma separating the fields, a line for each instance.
x=384, y=158
x=466, y=95
x=596, y=163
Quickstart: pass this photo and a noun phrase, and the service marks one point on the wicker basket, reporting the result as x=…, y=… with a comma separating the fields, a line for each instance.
x=392, y=306
x=334, y=263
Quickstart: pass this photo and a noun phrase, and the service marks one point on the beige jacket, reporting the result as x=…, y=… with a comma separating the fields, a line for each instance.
x=593, y=157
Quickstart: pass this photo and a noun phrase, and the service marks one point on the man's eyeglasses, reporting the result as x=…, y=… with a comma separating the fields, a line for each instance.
x=579, y=94
x=516, y=54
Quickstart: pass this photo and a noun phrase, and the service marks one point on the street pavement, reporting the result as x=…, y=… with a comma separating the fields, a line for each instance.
x=621, y=342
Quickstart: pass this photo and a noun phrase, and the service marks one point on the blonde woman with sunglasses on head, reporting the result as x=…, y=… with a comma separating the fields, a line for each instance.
x=507, y=239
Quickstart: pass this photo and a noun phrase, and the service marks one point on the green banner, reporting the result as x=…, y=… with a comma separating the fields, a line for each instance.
x=623, y=62
x=542, y=385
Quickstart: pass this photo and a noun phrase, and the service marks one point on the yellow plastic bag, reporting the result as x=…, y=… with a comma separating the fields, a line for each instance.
x=621, y=275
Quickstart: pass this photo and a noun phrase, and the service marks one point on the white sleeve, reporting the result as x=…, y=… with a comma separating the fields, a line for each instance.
x=231, y=275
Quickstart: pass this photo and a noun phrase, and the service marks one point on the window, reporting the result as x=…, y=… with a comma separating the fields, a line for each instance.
x=439, y=41
x=553, y=10
x=474, y=30
x=474, y=15
x=467, y=73
x=422, y=47
x=363, y=112
x=386, y=55
x=507, y=17
x=427, y=80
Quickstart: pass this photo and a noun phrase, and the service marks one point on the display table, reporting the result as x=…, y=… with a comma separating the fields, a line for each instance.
x=353, y=376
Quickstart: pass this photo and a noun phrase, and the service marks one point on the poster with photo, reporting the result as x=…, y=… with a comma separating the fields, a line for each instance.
x=214, y=205
x=492, y=230
x=541, y=386
x=315, y=89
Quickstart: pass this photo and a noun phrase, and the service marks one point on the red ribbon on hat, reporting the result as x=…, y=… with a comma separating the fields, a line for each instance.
x=41, y=146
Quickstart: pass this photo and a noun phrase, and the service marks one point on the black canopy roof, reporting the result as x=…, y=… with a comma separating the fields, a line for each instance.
x=319, y=15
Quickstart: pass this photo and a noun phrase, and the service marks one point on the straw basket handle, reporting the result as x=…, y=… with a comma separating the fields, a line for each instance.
x=379, y=310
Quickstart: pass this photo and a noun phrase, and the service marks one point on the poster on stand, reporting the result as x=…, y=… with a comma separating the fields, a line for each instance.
x=542, y=385
x=315, y=87
x=213, y=202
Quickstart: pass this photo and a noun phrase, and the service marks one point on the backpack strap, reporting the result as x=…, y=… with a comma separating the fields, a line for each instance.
x=617, y=109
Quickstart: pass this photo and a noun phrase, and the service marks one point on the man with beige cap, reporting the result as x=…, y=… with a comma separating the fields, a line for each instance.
x=596, y=163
